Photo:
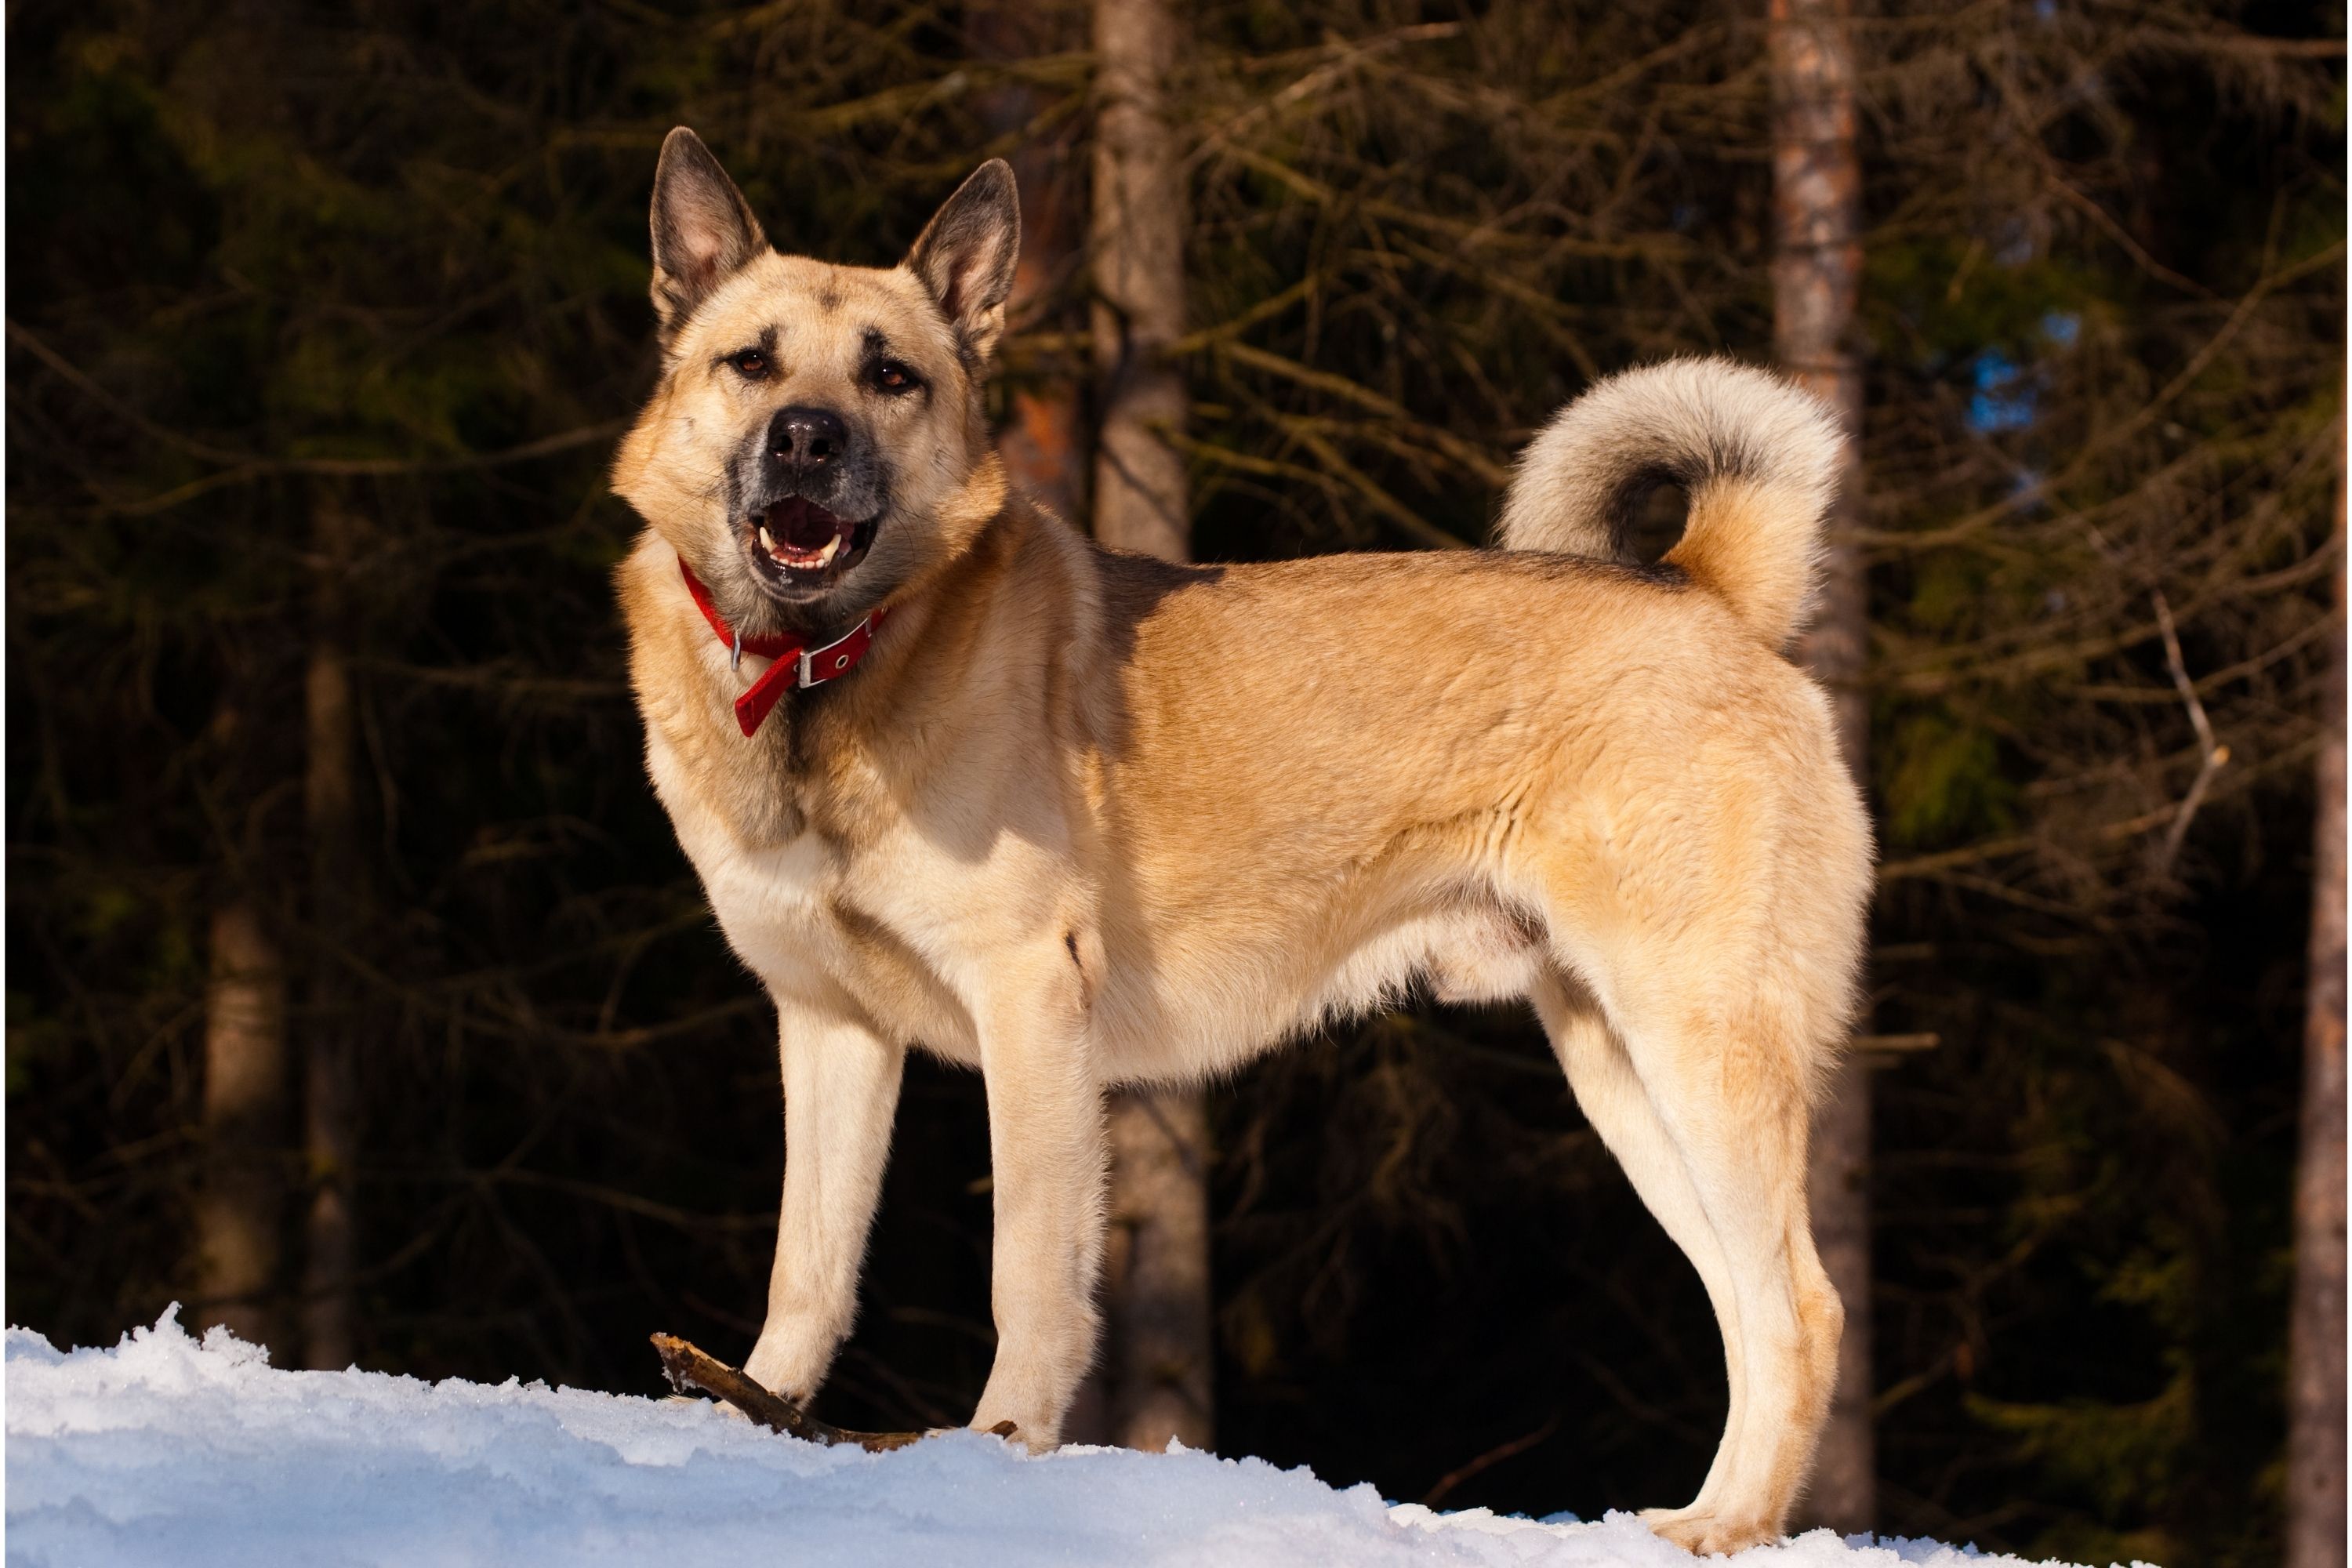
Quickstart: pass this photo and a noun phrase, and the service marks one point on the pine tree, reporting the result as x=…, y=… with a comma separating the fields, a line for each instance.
x=2314, y=1443
x=1159, y=1357
x=246, y=1071
x=1816, y=279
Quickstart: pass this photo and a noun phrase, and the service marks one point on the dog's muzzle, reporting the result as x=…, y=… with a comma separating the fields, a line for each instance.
x=809, y=466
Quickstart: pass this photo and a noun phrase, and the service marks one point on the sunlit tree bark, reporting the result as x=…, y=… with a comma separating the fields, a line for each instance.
x=2316, y=1414
x=1139, y=278
x=1816, y=271
x=1042, y=439
x=1157, y=1358
x=1041, y=442
x=241, y=1202
x=330, y=817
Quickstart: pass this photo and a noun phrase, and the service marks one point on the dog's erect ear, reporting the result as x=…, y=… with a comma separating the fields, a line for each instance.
x=968, y=252
x=703, y=229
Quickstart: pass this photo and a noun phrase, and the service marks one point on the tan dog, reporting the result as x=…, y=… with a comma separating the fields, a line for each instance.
x=1080, y=818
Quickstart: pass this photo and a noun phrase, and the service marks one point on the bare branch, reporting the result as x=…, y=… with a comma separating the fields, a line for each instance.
x=2216, y=754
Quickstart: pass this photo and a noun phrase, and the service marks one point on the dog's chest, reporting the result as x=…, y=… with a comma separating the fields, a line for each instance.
x=788, y=908
x=768, y=888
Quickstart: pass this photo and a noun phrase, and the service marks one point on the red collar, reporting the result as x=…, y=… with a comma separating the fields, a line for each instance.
x=797, y=666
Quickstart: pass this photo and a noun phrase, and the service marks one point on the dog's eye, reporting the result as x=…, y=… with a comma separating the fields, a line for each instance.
x=751, y=364
x=891, y=376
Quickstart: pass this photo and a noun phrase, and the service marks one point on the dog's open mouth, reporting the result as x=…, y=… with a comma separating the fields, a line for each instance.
x=797, y=543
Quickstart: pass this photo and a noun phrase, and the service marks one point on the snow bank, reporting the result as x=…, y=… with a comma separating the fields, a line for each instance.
x=164, y=1450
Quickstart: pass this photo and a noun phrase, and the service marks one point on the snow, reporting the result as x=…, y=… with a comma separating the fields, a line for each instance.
x=168, y=1449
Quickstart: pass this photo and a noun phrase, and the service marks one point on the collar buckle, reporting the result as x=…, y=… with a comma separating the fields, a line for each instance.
x=836, y=658
x=807, y=666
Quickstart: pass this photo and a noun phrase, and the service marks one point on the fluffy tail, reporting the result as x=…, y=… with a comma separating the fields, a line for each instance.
x=1758, y=458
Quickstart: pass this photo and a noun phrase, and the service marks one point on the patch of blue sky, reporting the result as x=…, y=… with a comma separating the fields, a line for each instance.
x=2005, y=398
x=2006, y=395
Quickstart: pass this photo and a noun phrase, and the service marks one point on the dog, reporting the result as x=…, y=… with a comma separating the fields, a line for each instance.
x=954, y=776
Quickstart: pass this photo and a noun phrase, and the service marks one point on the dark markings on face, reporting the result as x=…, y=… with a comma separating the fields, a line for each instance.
x=828, y=301
x=764, y=345
x=731, y=477
x=878, y=350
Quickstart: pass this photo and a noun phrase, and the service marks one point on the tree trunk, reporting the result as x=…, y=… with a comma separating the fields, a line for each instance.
x=1041, y=439
x=1158, y=1360
x=1816, y=272
x=1139, y=278
x=241, y=1203
x=331, y=820
x=2315, y=1415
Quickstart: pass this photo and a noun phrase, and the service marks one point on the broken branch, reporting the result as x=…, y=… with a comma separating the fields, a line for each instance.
x=687, y=1367
x=2215, y=752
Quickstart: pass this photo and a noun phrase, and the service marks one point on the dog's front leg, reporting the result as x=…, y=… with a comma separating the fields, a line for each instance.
x=1045, y=1149
x=841, y=1091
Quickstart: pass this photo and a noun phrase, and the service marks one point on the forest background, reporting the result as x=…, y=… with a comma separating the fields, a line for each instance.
x=321, y=323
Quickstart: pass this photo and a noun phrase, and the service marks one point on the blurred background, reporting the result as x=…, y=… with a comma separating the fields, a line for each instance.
x=359, y=996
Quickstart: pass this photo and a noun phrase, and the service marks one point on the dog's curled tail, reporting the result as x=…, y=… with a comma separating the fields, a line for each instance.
x=1757, y=457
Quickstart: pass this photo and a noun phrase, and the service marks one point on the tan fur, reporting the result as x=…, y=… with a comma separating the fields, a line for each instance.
x=1759, y=459
x=1084, y=818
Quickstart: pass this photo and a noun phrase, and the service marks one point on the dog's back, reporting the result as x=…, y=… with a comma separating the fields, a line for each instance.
x=1326, y=779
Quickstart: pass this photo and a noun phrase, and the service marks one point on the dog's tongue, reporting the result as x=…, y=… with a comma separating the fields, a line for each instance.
x=802, y=536
x=802, y=527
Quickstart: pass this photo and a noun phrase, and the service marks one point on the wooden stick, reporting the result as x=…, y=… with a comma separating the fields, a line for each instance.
x=687, y=1367
x=2215, y=752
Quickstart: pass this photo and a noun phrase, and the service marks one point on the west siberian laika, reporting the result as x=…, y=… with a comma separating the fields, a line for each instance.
x=955, y=776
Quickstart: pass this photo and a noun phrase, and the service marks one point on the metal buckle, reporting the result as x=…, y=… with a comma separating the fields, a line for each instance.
x=808, y=676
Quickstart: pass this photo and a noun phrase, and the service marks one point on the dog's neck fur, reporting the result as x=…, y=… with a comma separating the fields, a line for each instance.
x=824, y=758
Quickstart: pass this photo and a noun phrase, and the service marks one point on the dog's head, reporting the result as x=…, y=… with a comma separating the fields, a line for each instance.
x=818, y=439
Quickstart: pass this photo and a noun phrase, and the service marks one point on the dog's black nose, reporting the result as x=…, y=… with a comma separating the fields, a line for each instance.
x=804, y=439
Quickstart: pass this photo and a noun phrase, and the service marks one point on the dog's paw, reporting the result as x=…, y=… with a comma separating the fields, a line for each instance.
x=1019, y=1434
x=1708, y=1535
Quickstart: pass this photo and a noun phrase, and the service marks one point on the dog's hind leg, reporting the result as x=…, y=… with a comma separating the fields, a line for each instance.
x=1615, y=1100
x=1731, y=1098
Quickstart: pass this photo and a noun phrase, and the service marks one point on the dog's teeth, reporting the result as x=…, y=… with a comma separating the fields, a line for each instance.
x=766, y=543
x=832, y=546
